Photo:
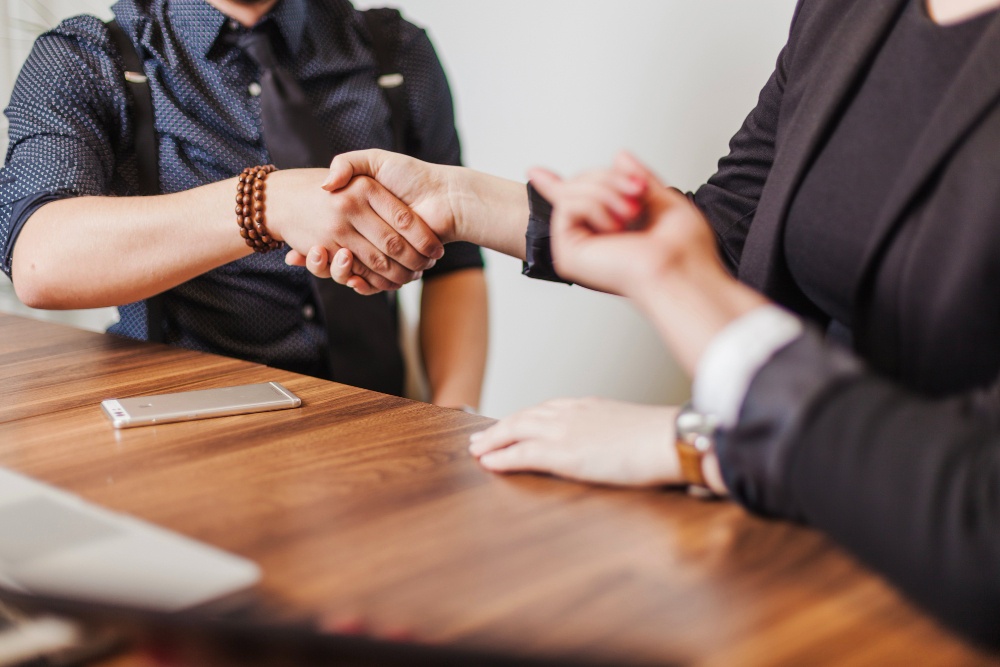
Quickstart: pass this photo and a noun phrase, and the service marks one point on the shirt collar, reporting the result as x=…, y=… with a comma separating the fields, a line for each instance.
x=201, y=24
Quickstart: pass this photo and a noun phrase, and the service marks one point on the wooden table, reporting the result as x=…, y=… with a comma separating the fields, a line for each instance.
x=360, y=503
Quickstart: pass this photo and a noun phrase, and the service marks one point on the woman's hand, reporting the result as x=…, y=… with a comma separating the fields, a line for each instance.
x=621, y=230
x=422, y=187
x=588, y=439
x=456, y=204
x=392, y=244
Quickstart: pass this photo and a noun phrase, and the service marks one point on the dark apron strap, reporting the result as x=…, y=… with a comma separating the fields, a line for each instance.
x=146, y=149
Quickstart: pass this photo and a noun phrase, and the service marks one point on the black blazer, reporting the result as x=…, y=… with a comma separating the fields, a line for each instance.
x=894, y=450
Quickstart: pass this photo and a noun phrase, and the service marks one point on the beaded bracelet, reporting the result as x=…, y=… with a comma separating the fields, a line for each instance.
x=250, y=208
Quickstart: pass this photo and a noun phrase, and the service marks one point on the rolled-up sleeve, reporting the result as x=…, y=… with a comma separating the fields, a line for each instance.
x=64, y=110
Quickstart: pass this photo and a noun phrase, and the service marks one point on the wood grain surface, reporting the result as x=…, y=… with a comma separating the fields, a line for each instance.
x=360, y=504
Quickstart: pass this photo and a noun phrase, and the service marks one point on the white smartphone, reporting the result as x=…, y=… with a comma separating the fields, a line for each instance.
x=187, y=405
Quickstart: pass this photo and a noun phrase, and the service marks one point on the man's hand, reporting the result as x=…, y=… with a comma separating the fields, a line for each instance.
x=421, y=186
x=392, y=244
x=588, y=439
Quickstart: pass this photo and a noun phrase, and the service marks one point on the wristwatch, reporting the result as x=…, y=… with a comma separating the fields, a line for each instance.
x=694, y=434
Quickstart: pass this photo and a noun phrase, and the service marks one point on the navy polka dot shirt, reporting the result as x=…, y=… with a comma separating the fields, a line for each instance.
x=71, y=135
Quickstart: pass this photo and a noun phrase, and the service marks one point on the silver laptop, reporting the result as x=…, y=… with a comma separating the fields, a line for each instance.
x=57, y=544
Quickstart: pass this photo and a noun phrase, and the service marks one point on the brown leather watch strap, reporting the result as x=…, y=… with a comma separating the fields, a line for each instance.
x=690, y=459
x=695, y=438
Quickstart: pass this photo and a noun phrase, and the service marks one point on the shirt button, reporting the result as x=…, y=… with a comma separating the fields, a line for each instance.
x=234, y=24
x=254, y=89
x=308, y=312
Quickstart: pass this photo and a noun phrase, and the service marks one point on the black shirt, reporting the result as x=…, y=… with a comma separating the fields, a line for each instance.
x=829, y=222
x=71, y=135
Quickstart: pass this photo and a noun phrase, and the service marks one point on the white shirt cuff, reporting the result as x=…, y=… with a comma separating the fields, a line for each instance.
x=734, y=356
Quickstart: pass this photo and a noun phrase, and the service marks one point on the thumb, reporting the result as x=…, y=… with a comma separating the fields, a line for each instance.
x=295, y=258
x=348, y=165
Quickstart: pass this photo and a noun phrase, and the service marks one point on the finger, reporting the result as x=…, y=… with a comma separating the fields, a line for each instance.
x=585, y=215
x=530, y=423
x=399, y=633
x=362, y=287
x=342, y=266
x=628, y=164
x=318, y=262
x=528, y=456
x=406, y=237
x=627, y=184
x=346, y=166
x=342, y=271
x=605, y=200
x=546, y=182
x=351, y=624
x=599, y=206
x=377, y=269
x=295, y=258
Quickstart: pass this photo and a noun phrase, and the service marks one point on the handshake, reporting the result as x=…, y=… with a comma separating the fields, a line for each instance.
x=617, y=230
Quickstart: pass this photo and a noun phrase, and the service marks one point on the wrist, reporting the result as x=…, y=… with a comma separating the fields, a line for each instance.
x=695, y=435
x=489, y=211
x=287, y=189
x=690, y=307
x=454, y=188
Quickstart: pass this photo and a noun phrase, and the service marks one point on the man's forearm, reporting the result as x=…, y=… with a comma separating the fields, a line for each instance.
x=89, y=252
x=453, y=336
x=105, y=251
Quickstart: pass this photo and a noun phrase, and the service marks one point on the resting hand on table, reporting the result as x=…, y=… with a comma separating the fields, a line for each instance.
x=586, y=439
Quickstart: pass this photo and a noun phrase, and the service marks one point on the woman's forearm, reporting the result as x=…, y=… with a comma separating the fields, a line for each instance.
x=690, y=307
x=457, y=203
x=490, y=211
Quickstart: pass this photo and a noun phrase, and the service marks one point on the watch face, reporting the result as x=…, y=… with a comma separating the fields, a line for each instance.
x=704, y=443
x=692, y=423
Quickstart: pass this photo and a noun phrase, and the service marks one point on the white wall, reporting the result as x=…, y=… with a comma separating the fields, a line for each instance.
x=565, y=84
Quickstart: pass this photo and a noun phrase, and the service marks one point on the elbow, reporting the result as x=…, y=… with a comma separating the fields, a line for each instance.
x=30, y=293
x=32, y=288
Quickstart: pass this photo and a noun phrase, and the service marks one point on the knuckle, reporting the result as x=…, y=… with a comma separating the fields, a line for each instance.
x=403, y=219
x=363, y=186
x=427, y=246
x=341, y=205
x=379, y=263
x=395, y=246
x=358, y=269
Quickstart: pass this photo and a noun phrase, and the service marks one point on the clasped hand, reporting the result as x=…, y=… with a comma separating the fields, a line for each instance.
x=623, y=231
x=399, y=215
